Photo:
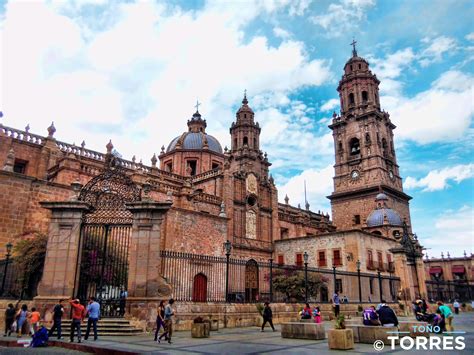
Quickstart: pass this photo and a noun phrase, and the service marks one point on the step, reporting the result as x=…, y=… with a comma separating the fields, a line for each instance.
x=106, y=327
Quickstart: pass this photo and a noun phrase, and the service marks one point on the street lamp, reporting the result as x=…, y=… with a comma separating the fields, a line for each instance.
x=334, y=277
x=271, y=279
x=305, y=257
x=9, y=247
x=358, y=276
x=228, y=248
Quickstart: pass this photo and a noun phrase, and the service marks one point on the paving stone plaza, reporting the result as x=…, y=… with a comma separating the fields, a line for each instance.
x=247, y=340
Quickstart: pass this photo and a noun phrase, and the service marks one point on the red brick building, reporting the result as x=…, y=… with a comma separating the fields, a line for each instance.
x=220, y=195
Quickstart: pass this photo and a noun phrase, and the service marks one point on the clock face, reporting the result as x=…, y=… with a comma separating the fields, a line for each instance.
x=354, y=174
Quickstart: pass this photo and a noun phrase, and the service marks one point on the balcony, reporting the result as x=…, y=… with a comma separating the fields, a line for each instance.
x=322, y=263
x=371, y=265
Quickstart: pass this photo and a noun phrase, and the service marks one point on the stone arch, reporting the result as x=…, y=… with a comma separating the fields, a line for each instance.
x=354, y=146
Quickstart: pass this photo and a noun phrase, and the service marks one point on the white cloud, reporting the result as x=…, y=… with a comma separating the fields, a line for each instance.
x=318, y=186
x=454, y=232
x=434, y=52
x=439, y=179
x=281, y=33
x=343, y=17
x=142, y=73
x=470, y=36
x=441, y=113
x=330, y=105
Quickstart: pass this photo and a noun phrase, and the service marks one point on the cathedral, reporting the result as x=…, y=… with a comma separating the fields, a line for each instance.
x=195, y=197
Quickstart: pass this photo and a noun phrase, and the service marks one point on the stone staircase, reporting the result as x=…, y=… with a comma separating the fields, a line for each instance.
x=105, y=327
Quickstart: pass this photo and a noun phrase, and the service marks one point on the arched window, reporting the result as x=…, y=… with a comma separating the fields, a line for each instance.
x=365, y=96
x=255, y=143
x=351, y=99
x=354, y=146
x=200, y=288
x=360, y=66
x=367, y=138
x=246, y=140
x=340, y=146
x=235, y=143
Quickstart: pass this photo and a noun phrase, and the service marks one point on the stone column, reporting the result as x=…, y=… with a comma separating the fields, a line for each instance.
x=403, y=270
x=144, y=278
x=60, y=274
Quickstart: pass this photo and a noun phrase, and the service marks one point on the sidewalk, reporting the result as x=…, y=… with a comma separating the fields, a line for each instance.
x=247, y=341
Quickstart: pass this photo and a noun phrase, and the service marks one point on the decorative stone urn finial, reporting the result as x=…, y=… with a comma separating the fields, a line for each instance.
x=10, y=161
x=287, y=200
x=162, y=149
x=27, y=128
x=222, y=212
x=153, y=161
x=109, y=147
x=51, y=130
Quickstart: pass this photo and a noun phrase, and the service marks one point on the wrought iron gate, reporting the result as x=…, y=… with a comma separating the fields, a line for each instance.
x=105, y=240
x=104, y=266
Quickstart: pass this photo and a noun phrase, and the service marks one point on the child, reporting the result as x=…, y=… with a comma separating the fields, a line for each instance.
x=34, y=319
x=317, y=315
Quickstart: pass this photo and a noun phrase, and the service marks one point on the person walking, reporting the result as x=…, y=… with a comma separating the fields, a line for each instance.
x=21, y=317
x=9, y=319
x=33, y=319
x=123, y=301
x=267, y=316
x=456, y=306
x=169, y=313
x=447, y=315
x=160, y=319
x=58, y=312
x=387, y=316
x=78, y=313
x=336, y=302
x=93, y=310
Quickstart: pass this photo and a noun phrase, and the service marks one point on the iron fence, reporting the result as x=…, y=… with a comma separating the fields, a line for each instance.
x=13, y=283
x=448, y=291
x=201, y=278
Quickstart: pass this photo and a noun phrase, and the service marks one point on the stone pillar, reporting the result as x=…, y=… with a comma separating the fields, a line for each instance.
x=144, y=278
x=60, y=273
x=420, y=267
x=403, y=270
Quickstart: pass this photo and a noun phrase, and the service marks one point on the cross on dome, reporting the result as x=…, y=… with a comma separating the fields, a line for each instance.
x=197, y=105
x=353, y=44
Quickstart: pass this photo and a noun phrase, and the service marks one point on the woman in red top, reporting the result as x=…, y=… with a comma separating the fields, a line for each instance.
x=306, y=314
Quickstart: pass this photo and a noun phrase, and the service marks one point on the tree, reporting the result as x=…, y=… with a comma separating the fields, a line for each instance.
x=29, y=255
x=290, y=281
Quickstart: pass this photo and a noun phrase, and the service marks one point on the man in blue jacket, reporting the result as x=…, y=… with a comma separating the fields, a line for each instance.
x=93, y=310
x=387, y=316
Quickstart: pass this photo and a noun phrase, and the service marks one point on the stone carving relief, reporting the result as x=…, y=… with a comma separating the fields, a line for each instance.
x=251, y=225
x=251, y=183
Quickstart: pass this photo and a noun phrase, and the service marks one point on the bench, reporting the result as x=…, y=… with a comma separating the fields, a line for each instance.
x=368, y=334
x=303, y=330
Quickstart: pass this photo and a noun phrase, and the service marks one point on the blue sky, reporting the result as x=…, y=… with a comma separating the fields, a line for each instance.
x=132, y=71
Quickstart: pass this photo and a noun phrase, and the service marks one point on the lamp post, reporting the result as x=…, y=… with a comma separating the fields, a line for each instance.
x=228, y=248
x=305, y=257
x=438, y=293
x=9, y=247
x=271, y=279
x=380, y=284
x=390, y=281
x=334, y=277
x=358, y=277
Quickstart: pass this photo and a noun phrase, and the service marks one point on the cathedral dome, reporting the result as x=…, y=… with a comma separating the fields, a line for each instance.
x=195, y=141
x=382, y=216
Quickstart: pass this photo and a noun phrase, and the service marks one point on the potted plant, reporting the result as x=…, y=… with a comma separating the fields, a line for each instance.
x=340, y=338
x=200, y=328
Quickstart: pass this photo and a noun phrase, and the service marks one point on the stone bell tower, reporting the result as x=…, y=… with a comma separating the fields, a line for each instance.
x=250, y=191
x=366, y=163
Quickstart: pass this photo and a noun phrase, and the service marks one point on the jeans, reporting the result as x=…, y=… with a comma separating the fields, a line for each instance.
x=93, y=322
x=336, y=310
x=76, y=324
x=56, y=326
x=159, y=324
x=8, y=325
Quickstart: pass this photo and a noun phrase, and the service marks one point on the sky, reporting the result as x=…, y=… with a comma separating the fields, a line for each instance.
x=131, y=71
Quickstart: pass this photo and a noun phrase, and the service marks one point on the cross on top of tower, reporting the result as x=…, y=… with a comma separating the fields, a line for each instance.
x=353, y=44
x=197, y=105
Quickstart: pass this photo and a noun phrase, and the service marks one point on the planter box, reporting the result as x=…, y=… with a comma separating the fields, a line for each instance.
x=341, y=339
x=303, y=330
x=200, y=330
x=214, y=325
x=368, y=334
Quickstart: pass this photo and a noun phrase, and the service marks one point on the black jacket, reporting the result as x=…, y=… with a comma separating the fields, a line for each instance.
x=387, y=315
x=267, y=313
